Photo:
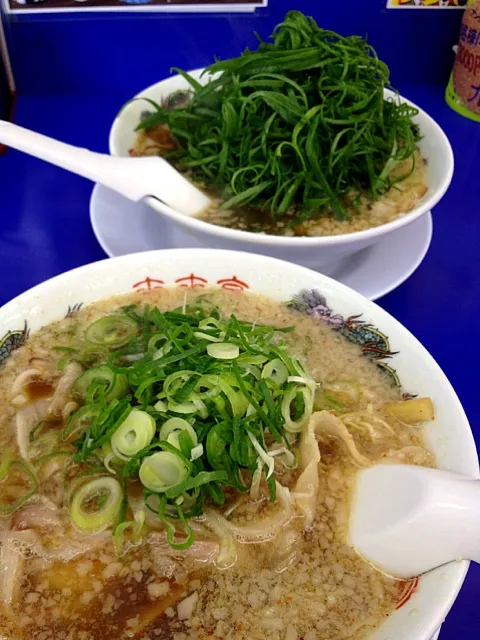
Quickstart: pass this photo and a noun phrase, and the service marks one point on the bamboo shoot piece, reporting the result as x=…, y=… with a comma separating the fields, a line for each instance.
x=413, y=412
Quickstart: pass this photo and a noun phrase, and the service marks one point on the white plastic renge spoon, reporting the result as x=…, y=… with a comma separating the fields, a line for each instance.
x=406, y=520
x=134, y=178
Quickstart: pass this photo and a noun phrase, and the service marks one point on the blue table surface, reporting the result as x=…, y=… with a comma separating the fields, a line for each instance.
x=45, y=230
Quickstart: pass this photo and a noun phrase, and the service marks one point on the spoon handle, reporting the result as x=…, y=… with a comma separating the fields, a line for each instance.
x=91, y=165
x=134, y=178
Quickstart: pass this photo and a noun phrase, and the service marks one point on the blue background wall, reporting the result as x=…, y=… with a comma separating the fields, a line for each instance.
x=94, y=62
x=121, y=53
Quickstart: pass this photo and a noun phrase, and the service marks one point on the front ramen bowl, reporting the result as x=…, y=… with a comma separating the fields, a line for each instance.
x=425, y=601
x=324, y=253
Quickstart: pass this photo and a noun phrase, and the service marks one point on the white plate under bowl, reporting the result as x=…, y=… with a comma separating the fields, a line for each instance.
x=313, y=252
x=122, y=227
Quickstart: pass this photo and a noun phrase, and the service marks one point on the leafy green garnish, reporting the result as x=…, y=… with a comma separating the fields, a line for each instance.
x=301, y=122
x=184, y=420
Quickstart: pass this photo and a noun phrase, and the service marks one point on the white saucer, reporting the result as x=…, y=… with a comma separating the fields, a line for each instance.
x=122, y=227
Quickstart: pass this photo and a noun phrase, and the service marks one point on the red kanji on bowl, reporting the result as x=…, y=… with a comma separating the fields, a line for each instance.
x=191, y=281
x=148, y=284
x=233, y=284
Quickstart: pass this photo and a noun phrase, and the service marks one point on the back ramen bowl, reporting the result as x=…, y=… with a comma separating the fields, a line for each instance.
x=324, y=252
x=425, y=601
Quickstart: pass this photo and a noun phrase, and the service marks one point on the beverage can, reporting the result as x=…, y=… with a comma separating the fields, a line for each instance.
x=463, y=89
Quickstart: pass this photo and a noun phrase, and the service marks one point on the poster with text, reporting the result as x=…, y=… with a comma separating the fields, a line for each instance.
x=186, y=6
x=426, y=4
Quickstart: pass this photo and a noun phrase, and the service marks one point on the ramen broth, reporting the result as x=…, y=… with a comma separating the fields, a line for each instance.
x=300, y=582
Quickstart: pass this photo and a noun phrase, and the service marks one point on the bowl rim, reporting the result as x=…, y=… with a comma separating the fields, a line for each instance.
x=430, y=199
x=378, y=314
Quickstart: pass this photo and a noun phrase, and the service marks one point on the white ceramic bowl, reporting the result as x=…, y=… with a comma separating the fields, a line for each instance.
x=322, y=253
x=424, y=603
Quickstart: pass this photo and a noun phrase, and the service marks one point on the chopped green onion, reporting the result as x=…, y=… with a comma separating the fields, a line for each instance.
x=172, y=428
x=246, y=359
x=204, y=477
x=171, y=530
x=211, y=324
x=81, y=420
x=218, y=390
x=214, y=384
x=223, y=351
x=206, y=336
x=265, y=457
x=133, y=435
x=184, y=407
x=20, y=475
x=156, y=342
x=162, y=471
x=308, y=382
x=253, y=370
x=161, y=406
x=96, y=504
x=201, y=407
x=38, y=427
x=6, y=459
x=113, y=385
x=109, y=459
x=43, y=445
x=189, y=502
x=207, y=387
x=136, y=526
x=256, y=480
x=197, y=452
x=175, y=382
x=275, y=370
x=112, y=331
x=92, y=355
x=51, y=456
x=218, y=438
x=297, y=424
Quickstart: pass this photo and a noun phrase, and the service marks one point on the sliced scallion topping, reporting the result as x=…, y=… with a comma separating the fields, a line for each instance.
x=264, y=456
x=197, y=452
x=21, y=486
x=43, y=445
x=160, y=405
x=190, y=404
x=223, y=351
x=162, y=471
x=6, y=459
x=178, y=545
x=275, y=370
x=133, y=435
x=100, y=381
x=183, y=407
x=96, y=504
x=201, y=335
x=172, y=429
x=297, y=406
x=134, y=527
x=80, y=420
x=112, y=331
